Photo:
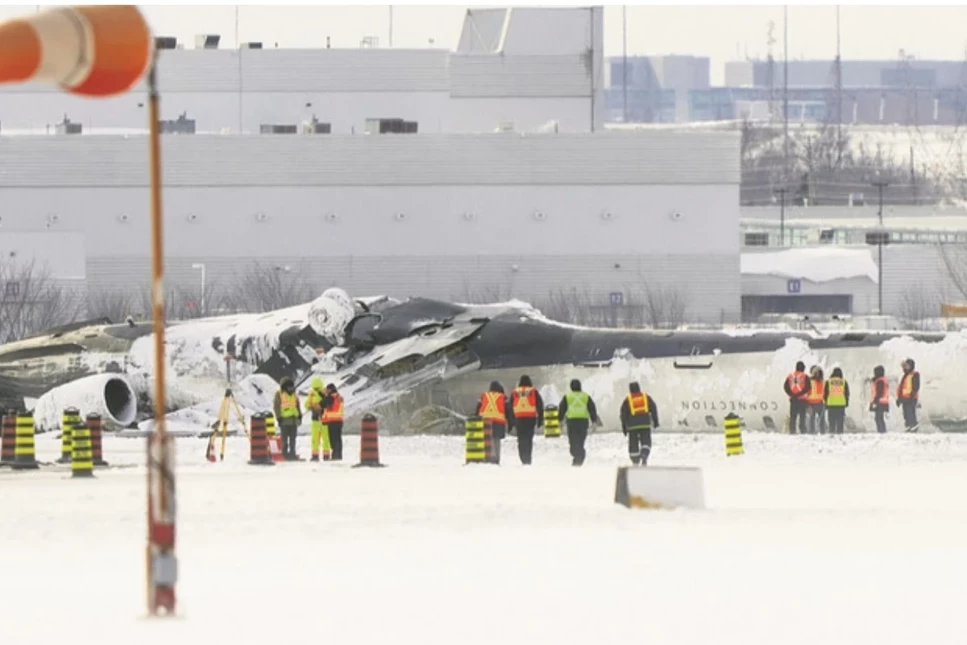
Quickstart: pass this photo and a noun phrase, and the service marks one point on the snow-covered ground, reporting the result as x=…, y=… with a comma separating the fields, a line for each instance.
x=851, y=539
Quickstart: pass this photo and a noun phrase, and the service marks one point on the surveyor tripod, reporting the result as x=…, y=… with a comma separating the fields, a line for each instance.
x=228, y=400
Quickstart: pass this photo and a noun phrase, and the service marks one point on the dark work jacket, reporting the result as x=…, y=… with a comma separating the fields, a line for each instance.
x=626, y=412
x=508, y=410
x=562, y=409
x=805, y=392
x=537, y=400
x=916, y=386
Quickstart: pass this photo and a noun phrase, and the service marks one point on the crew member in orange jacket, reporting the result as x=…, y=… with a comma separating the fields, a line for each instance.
x=908, y=395
x=527, y=408
x=880, y=398
x=493, y=406
x=332, y=417
x=817, y=409
x=797, y=389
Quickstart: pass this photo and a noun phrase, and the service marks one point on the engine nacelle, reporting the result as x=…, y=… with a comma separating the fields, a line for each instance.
x=109, y=395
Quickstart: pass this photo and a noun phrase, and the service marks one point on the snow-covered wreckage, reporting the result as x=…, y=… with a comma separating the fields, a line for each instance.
x=421, y=365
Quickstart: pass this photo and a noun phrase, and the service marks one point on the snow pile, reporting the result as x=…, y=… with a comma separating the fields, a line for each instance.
x=253, y=394
x=815, y=265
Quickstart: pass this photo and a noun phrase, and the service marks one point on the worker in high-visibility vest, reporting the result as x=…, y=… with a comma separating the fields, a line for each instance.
x=908, y=395
x=288, y=412
x=880, y=398
x=814, y=400
x=836, y=398
x=314, y=403
x=528, y=412
x=493, y=407
x=332, y=418
x=579, y=412
x=639, y=416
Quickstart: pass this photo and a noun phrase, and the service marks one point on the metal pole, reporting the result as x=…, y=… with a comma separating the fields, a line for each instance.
x=624, y=63
x=879, y=273
x=782, y=215
x=785, y=91
x=161, y=568
x=591, y=59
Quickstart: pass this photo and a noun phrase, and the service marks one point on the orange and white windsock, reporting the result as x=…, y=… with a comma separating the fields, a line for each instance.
x=91, y=50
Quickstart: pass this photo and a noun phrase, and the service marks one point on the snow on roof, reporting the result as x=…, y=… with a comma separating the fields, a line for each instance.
x=815, y=265
x=933, y=223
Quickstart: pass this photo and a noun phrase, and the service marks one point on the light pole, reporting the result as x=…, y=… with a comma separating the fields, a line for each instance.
x=200, y=265
x=782, y=215
x=879, y=244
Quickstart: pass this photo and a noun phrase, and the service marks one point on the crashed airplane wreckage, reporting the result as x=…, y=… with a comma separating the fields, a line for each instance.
x=421, y=364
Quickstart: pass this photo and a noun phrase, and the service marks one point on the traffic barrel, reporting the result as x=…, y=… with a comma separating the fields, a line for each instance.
x=8, y=428
x=91, y=50
x=68, y=418
x=488, y=437
x=82, y=453
x=275, y=441
x=552, y=422
x=733, y=435
x=24, y=450
x=258, y=442
x=369, y=442
x=94, y=424
x=475, y=451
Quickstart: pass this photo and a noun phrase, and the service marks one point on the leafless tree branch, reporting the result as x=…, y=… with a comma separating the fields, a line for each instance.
x=31, y=301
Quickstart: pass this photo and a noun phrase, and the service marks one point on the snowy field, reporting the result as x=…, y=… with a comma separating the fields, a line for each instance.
x=855, y=539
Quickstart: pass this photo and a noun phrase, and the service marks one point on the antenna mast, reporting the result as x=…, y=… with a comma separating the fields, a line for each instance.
x=771, y=69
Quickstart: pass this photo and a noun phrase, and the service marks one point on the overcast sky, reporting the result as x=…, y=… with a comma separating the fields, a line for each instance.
x=720, y=32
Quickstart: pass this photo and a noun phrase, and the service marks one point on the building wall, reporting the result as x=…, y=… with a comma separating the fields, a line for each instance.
x=445, y=216
x=237, y=91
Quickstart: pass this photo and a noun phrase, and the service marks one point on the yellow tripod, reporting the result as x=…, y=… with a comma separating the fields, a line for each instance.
x=222, y=424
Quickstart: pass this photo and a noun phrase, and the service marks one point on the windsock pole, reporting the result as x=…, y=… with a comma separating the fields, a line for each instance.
x=161, y=561
x=98, y=51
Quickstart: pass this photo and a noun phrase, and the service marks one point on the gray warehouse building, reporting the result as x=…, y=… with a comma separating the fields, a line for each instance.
x=609, y=216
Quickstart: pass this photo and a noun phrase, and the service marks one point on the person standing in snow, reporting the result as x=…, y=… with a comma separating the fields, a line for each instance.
x=319, y=430
x=797, y=388
x=908, y=395
x=578, y=410
x=288, y=412
x=880, y=398
x=836, y=398
x=816, y=409
x=332, y=418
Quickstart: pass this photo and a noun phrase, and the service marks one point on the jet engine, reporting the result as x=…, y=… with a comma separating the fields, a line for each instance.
x=109, y=395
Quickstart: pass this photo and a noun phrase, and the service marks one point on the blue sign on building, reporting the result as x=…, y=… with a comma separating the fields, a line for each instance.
x=793, y=286
x=617, y=298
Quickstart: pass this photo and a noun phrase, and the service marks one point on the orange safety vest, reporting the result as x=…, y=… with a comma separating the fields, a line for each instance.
x=492, y=406
x=797, y=383
x=334, y=412
x=904, y=390
x=815, y=391
x=525, y=402
x=640, y=416
x=885, y=397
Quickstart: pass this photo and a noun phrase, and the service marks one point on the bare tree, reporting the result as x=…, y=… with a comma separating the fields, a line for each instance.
x=665, y=307
x=263, y=288
x=485, y=294
x=917, y=304
x=954, y=259
x=31, y=301
x=113, y=305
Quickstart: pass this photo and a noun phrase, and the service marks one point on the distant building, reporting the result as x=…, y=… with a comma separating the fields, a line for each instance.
x=658, y=87
x=522, y=69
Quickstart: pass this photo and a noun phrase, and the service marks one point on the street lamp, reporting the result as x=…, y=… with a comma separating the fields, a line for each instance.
x=200, y=265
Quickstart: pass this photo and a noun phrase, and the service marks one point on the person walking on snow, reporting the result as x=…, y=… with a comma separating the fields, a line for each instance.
x=639, y=416
x=332, y=418
x=578, y=410
x=880, y=398
x=528, y=409
x=493, y=407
